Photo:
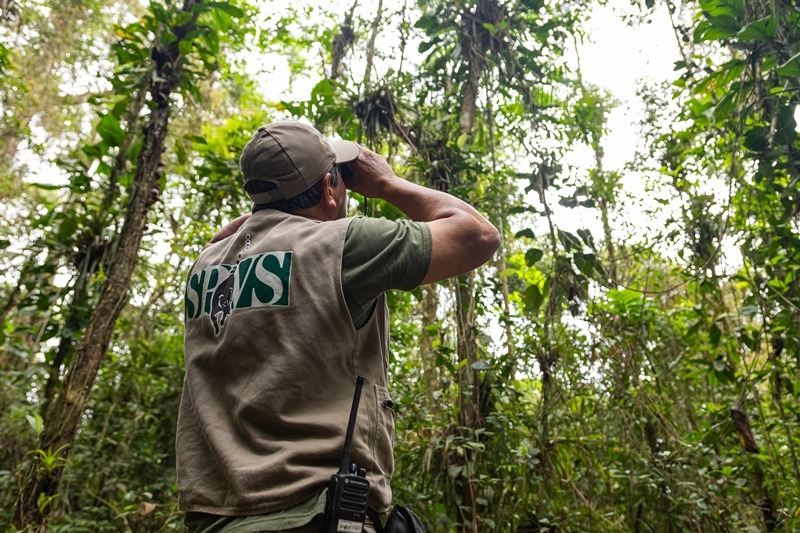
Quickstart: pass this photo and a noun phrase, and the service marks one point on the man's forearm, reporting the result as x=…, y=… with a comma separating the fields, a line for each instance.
x=426, y=205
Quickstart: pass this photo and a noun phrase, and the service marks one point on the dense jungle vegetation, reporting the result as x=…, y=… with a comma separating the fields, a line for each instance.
x=640, y=374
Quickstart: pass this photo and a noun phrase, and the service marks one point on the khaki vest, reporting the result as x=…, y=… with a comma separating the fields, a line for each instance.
x=271, y=363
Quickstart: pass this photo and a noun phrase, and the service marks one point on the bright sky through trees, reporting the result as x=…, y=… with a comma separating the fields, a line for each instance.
x=621, y=58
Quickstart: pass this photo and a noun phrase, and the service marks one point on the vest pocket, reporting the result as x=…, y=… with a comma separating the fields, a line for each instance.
x=384, y=438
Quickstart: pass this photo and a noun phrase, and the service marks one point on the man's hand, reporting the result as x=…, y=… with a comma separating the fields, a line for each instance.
x=370, y=174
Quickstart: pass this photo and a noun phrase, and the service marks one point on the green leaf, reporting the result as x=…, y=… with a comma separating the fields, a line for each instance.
x=324, y=88
x=586, y=236
x=427, y=45
x=67, y=229
x=507, y=272
x=585, y=263
x=787, y=126
x=224, y=21
x=211, y=39
x=525, y=233
x=533, y=299
x=110, y=130
x=180, y=152
x=791, y=67
x=183, y=18
x=159, y=13
x=185, y=46
x=759, y=30
x=228, y=8
x=35, y=422
x=732, y=348
x=569, y=240
x=716, y=29
x=626, y=297
x=717, y=8
x=429, y=23
x=714, y=335
x=167, y=38
x=726, y=106
x=533, y=256
x=295, y=108
x=755, y=139
x=47, y=186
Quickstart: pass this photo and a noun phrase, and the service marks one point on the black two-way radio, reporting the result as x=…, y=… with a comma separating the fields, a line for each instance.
x=348, y=489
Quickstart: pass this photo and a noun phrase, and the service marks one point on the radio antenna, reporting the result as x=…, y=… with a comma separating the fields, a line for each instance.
x=344, y=468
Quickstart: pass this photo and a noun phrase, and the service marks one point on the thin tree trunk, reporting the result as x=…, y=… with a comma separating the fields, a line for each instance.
x=605, y=192
x=749, y=445
x=468, y=104
x=376, y=22
x=341, y=42
x=430, y=305
x=469, y=412
x=64, y=415
x=547, y=355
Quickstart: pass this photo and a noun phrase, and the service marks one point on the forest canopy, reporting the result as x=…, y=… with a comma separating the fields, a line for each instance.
x=641, y=373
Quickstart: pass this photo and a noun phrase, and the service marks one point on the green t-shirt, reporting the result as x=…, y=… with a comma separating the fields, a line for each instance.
x=380, y=255
x=293, y=517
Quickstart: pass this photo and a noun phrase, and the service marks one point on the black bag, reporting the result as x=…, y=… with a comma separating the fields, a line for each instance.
x=401, y=520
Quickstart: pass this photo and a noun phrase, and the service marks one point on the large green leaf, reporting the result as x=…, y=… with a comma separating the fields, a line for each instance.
x=791, y=67
x=762, y=29
x=533, y=299
x=719, y=8
x=755, y=139
x=228, y=8
x=110, y=130
x=716, y=29
x=533, y=255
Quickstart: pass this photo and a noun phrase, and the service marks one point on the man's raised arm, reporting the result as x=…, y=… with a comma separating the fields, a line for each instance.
x=462, y=239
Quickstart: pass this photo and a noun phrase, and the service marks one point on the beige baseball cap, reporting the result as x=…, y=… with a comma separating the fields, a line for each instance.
x=292, y=157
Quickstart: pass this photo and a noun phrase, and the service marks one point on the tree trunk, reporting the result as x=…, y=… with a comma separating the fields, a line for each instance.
x=342, y=42
x=371, y=47
x=64, y=415
x=748, y=442
x=430, y=305
x=547, y=356
x=469, y=413
x=97, y=255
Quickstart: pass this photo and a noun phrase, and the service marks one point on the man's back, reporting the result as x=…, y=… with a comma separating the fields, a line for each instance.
x=268, y=391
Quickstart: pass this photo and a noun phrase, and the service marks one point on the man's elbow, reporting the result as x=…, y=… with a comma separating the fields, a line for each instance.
x=487, y=242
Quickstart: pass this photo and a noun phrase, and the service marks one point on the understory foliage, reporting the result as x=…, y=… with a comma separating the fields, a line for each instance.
x=616, y=377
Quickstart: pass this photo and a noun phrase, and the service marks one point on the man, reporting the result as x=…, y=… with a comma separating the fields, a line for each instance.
x=284, y=309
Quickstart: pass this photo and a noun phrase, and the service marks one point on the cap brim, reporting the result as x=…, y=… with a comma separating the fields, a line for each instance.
x=345, y=150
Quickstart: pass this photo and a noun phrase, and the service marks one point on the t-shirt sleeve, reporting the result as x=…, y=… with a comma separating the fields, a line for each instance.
x=379, y=255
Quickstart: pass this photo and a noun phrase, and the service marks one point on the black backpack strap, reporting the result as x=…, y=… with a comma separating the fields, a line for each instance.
x=401, y=520
x=376, y=519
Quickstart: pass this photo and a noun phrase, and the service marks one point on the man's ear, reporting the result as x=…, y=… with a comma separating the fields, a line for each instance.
x=328, y=192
